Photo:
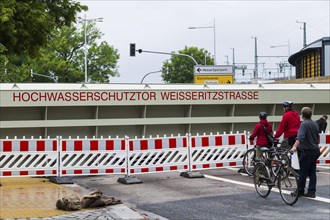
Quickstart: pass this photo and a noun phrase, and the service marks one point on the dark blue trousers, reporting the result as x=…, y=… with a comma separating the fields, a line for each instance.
x=307, y=162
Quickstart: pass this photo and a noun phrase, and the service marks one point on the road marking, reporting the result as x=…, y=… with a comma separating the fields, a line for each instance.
x=323, y=173
x=320, y=199
x=232, y=168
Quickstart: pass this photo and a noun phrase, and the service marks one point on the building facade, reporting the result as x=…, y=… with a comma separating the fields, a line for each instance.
x=313, y=60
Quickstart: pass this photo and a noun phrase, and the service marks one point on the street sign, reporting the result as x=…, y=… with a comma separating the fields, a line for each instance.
x=216, y=70
x=214, y=79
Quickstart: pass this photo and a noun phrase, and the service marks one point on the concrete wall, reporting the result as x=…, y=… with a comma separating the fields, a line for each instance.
x=26, y=112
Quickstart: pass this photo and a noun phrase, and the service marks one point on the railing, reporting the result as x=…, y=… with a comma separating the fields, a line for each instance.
x=71, y=157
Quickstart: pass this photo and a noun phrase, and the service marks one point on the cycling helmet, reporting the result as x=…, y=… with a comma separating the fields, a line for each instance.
x=287, y=104
x=262, y=115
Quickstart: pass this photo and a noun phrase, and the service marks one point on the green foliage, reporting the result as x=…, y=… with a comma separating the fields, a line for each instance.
x=25, y=26
x=180, y=69
x=9, y=71
x=64, y=57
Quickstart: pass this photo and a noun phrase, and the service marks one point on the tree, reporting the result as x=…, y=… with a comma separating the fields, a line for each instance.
x=63, y=59
x=13, y=69
x=180, y=69
x=25, y=26
x=64, y=56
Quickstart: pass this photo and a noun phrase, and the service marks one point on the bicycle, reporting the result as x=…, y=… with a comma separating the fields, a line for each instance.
x=267, y=175
x=249, y=159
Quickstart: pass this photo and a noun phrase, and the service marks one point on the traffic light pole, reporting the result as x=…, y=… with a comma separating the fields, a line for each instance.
x=177, y=54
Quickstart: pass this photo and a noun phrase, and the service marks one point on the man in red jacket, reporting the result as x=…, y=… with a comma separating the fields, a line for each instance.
x=259, y=132
x=289, y=124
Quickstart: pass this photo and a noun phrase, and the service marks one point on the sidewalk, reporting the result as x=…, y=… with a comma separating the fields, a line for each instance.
x=35, y=198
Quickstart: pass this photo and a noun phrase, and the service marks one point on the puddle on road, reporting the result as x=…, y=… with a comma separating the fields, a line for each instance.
x=32, y=197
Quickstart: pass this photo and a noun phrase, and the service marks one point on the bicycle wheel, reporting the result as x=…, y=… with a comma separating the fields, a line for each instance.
x=288, y=185
x=278, y=159
x=248, y=161
x=261, y=179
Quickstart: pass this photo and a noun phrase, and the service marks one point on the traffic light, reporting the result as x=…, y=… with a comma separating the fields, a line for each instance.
x=132, y=50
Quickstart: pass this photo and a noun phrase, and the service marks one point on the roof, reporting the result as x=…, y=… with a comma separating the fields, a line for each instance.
x=117, y=86
x=310, y=47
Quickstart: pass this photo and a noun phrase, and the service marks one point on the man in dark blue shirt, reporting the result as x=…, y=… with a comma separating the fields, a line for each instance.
x=308, y=151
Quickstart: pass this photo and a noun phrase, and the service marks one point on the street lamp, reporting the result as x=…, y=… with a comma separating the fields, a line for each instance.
x=285, y=45
x=55, y=78
x=84, y=20
x=214, y=36
x=159, y=71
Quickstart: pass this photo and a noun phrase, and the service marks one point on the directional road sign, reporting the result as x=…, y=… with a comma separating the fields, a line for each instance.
x=214, y=79
x=216, y=70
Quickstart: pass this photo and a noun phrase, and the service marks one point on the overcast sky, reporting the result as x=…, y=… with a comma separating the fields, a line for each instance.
x=163, y=26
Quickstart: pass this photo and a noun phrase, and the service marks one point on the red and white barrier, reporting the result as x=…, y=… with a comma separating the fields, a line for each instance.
x=216, y=151
x=92, y=156
x=70, y=157
x=324, y=144
x=152, y=155
x=28, y=157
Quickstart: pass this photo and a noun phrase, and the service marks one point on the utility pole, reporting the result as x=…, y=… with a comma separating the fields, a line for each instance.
x=304, y=30
x=233, y=60
x=227, y=61
x=255, y=58
x=234, y=67
x=85, y=21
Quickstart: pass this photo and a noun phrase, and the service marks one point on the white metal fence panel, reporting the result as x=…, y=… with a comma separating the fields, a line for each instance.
x=28, y=157
x=215, y=151
x=150, y=155
x=92, y=156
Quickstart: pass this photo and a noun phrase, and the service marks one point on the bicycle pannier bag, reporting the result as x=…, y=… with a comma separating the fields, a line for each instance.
x=269, y=136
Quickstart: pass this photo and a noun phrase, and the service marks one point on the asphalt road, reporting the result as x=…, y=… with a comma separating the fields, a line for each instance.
x=222, y=194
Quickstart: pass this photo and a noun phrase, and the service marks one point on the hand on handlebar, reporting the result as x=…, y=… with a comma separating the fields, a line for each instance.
x=293, y=149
